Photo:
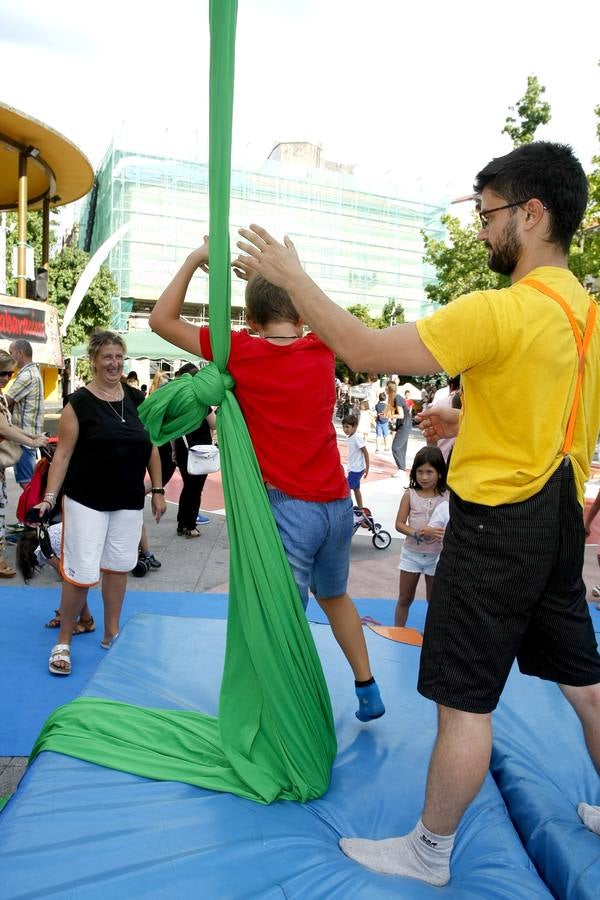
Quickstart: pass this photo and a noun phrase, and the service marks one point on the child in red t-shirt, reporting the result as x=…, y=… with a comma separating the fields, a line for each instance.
x=285, y=386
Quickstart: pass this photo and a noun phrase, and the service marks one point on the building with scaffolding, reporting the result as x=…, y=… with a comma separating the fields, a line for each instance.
x=360, y=240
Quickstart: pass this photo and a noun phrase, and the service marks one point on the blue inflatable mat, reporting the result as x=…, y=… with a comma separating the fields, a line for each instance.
x=75, y=830
x=543, y=770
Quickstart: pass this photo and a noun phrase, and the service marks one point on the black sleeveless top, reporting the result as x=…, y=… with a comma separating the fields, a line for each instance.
x=108, y=465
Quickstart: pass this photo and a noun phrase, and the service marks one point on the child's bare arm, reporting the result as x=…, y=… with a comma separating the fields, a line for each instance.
x=402, y=515
x=591, y=514
x=432, y=532
x=165, y=318
x=365, y=453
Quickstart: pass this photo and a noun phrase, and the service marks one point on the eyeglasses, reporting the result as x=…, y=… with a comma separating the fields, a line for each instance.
x=5, y=374
x=485, y=213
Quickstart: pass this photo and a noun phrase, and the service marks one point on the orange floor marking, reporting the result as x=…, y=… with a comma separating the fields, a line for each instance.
x=400, y=635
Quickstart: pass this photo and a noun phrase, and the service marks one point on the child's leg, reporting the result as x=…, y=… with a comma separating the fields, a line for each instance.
x=406, y=594
x=329, y=580
x=358, y=497
x=428, y=586
x=348, y=632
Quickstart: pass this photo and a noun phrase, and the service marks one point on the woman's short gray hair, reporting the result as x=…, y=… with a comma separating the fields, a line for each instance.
x=99, y=338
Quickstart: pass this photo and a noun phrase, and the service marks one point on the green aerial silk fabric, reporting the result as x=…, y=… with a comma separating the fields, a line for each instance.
x=274, y=736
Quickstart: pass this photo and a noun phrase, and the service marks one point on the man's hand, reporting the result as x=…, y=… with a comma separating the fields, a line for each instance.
x=366, y=472
x=439, y=421
x=200, y=256
x=278, y=263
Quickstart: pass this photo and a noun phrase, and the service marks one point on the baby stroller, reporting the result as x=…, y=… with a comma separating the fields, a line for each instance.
x=34, y=492
x=363, y=518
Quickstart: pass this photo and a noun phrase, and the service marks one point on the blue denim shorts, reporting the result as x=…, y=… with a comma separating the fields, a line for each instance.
x=24, y=468
x=418, y=562
x=316, y=539
x=382, y=429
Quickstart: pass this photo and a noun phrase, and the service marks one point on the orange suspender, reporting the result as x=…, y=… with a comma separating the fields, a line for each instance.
x=582, y=348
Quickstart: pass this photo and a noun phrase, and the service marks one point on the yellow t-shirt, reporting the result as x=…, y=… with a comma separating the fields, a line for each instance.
x=517, y=356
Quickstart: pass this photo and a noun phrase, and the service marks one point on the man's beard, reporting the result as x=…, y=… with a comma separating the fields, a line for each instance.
x=505, y=255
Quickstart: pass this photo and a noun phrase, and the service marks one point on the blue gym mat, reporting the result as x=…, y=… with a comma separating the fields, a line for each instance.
x=30, y=693
x=86, y=832
x=544, y=771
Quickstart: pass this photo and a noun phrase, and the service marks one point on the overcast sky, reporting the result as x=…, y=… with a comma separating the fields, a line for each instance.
x=415, y=90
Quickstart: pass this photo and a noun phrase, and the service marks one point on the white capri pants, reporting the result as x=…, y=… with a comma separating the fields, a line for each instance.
x=96, y=540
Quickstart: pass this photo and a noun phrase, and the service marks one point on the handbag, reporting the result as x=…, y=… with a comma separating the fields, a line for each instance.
x=202, y=458
x=10, y=453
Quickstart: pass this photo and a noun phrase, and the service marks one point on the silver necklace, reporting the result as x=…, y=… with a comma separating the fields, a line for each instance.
x=120, y=415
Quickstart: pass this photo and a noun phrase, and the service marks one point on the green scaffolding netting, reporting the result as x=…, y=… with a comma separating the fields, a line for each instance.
x=274, y=736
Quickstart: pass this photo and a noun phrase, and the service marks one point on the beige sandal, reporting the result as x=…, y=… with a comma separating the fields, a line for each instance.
x=6, y=571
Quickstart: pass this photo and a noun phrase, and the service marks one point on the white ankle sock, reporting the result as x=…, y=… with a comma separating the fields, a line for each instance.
x=420, y=854
x=590, y=816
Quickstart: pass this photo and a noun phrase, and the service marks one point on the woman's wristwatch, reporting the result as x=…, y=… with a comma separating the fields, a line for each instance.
x=158, y=490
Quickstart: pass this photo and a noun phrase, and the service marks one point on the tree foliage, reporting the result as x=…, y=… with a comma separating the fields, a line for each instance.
x=96, y=306
x=460, y=262
x=393, y=313
x=65, y=268
x=33, y=238
x=584, y=258
x=532, y=112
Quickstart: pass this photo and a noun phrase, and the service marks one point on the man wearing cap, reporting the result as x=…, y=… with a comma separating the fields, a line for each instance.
x=509, y=581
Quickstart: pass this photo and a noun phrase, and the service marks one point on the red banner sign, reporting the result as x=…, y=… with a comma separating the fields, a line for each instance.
x=28, y=323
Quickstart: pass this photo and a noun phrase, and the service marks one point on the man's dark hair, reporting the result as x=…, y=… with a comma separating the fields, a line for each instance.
x=266, y=303
x=350, y=419
x=543, y=171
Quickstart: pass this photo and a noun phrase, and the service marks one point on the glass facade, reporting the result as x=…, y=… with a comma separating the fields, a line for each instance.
x=360, y=242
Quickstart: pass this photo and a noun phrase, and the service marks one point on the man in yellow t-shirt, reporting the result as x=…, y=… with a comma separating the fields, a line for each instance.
x=508, y=585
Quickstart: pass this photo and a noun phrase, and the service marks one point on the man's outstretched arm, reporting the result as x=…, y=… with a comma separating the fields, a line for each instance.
x=364, y=349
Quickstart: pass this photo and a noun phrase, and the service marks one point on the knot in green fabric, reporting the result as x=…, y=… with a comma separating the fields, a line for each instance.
x=180, y=406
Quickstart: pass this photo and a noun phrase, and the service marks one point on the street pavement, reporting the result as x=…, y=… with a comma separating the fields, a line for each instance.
x=201, y=564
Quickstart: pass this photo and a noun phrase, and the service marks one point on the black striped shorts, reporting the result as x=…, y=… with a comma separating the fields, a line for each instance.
x=509, y=586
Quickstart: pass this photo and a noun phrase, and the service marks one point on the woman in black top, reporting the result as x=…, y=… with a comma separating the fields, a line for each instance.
x=101, y=458
x=191, y=492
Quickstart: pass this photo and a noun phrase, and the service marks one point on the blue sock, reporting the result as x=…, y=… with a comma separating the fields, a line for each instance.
x=370, y=704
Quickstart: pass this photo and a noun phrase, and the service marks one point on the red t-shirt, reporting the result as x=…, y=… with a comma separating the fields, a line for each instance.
x=287, y=396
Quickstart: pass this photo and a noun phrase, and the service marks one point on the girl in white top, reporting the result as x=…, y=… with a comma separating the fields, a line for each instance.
x=423, y=544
